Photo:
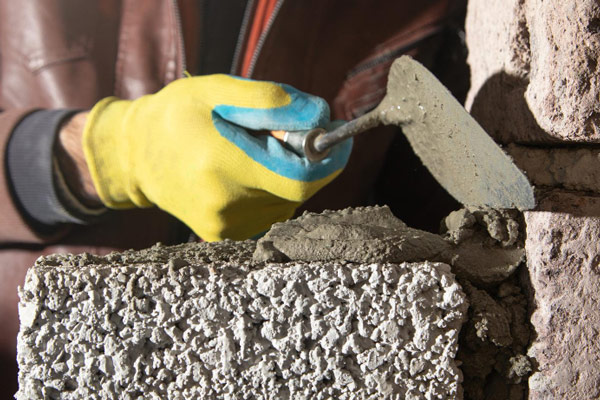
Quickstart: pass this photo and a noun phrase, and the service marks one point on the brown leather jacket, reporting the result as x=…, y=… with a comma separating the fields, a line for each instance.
x=71, y=53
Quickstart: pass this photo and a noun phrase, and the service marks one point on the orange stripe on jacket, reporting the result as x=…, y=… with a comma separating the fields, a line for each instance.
x=264, y=10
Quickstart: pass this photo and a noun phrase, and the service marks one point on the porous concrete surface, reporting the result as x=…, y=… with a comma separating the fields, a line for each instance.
x=568, y=168
x=164, y=301
x=204, y=321
x=534, y=69
x=563, y=254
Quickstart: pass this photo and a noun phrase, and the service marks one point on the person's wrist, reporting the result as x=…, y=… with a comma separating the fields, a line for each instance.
x=71, y=160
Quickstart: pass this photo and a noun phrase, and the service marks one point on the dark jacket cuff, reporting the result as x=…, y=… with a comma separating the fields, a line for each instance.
x=36, y=181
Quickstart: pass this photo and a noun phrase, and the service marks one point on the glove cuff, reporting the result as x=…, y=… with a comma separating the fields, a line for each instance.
x=106, y=145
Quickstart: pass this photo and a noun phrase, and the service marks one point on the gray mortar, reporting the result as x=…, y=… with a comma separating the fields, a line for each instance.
x=204, y=321
x=481, y=245
x=363, y=235
x=484, y=248
x=494, y=340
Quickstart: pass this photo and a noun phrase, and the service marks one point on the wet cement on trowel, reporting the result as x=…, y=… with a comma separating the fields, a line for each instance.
x=450, y=143
x=485, y=251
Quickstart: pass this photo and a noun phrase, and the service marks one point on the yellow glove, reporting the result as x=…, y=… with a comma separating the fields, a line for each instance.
x=185, y=150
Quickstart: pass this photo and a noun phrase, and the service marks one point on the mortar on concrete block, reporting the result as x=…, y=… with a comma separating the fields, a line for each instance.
x=484, y=248
x=209, y=321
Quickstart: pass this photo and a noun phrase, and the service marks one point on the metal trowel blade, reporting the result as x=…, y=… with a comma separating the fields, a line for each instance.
x=450, y=143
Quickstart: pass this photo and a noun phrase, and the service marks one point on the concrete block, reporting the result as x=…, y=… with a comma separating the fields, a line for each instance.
x=202, y=321
x=534, y=69
x=563, y=253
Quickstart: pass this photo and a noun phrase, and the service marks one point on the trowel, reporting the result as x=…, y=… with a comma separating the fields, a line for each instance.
x=451, y=144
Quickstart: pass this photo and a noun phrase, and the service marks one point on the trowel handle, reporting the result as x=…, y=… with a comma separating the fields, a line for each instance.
x=315, y=143
x=302, y=142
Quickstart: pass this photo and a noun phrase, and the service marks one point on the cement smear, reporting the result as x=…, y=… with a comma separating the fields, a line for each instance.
x=484, y=248
x=481, y=245
x=203, y=321
x=362, y=235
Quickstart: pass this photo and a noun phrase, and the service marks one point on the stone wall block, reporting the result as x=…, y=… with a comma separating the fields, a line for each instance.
x=563, y=253
x=534, y=66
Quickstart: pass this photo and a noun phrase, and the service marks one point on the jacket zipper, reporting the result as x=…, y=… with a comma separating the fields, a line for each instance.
x=263, y=37
x=180, y=43
x=248, y=12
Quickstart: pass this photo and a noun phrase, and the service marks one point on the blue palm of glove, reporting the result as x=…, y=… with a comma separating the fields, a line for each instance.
x=304, y=112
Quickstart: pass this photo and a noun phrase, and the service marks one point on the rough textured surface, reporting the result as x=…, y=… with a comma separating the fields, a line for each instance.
x=202, y=321
x=493, y=343
x=535, y=80
x=166, y=300
x=567, y=168
x=488, y=245
x=563, y=254
x=534, y=69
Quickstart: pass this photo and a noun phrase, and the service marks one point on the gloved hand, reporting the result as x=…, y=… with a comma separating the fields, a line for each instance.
x=185, y=150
